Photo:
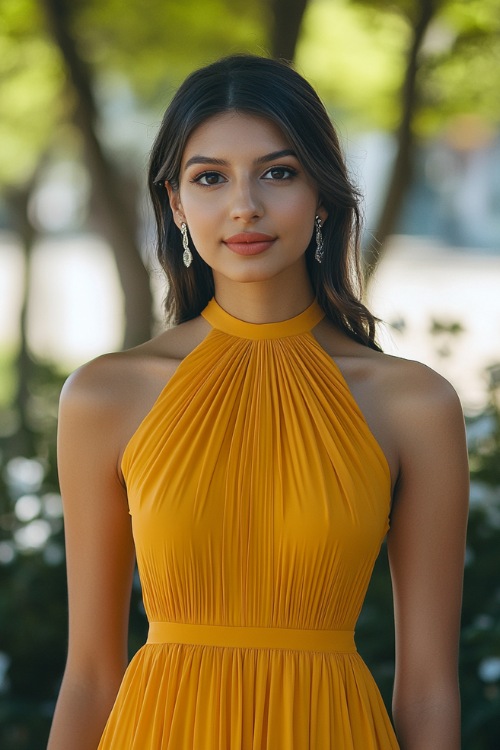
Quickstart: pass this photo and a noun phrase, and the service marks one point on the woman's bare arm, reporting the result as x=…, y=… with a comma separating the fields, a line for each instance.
x=99, y=552
x=426, y=546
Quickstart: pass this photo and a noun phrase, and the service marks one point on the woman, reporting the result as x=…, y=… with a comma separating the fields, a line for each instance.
x=263, y=447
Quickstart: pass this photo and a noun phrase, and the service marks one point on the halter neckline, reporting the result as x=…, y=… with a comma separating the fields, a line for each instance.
x=221, y=320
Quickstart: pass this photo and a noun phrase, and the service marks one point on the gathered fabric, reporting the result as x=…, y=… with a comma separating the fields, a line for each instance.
x=259, y=501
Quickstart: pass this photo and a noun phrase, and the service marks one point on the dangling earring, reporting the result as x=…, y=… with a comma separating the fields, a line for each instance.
x=319, y=240
x=187, y=255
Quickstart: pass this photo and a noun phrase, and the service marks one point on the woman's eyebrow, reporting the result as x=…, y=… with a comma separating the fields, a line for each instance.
x=275, y=155
x=198, y=159
x=205, y=160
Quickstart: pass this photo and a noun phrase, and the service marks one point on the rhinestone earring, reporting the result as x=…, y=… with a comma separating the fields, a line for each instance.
x=187, y=255
x=318, y=255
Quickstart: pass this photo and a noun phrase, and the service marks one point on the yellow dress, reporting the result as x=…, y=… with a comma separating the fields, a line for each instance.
x=259, y=500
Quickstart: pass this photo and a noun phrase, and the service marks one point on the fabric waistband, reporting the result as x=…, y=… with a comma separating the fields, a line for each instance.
x=249, y=637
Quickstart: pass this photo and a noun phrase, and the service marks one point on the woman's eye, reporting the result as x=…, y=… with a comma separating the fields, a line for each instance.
x=280, y=173
x=208, y=178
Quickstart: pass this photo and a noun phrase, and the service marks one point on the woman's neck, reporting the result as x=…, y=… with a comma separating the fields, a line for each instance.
x=268, y=301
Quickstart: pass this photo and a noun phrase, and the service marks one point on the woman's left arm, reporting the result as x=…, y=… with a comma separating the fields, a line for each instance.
x=426, y=546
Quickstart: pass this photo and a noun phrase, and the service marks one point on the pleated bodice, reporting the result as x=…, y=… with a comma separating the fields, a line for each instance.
x=259, y=500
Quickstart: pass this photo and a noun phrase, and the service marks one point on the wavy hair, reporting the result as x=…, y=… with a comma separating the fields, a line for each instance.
x=271, y=89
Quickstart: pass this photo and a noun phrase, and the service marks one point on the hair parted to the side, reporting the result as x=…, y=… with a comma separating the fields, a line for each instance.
x=270, y=89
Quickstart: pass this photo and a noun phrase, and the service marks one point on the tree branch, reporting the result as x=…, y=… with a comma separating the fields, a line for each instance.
x=402, y=170
x=285, y=28
x=119, y=224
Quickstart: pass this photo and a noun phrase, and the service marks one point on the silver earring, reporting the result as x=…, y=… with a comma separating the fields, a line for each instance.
x=187, y=255
x=319, y=240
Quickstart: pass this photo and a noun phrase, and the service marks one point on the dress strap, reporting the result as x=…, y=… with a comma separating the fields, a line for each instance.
x=224, y=321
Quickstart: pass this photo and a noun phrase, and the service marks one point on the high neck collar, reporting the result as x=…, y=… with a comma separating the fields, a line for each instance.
x=221, y=320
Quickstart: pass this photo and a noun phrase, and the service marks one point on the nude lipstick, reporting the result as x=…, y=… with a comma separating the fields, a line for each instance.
x=249, y=243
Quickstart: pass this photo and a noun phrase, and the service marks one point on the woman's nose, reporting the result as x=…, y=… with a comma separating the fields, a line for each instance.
x=246, y=203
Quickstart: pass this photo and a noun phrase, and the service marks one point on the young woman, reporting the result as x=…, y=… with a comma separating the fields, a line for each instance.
x=253, y=457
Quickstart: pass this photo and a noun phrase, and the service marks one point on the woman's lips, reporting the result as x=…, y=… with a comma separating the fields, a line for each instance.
x=249, y=243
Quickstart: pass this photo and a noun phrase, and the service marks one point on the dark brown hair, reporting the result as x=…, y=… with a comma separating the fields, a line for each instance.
x=271, y=89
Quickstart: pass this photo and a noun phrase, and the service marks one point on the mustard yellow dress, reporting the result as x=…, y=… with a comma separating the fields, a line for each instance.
x=259, y=500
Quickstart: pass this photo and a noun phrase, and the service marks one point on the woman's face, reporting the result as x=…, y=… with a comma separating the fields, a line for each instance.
x=246, y=199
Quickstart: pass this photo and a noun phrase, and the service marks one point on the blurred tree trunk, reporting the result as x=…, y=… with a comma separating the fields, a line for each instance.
x=286, y=20
x=118, y=222
x=401, y=175
x=22, y=442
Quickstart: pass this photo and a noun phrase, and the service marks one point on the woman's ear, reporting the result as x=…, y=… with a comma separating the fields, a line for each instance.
x=322, y=213
x=175, y=204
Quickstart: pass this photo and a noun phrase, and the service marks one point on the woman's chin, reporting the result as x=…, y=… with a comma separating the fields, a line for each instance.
x=249, y=276
x=261, y=271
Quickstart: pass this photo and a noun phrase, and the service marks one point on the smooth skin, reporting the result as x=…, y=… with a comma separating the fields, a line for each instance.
x=232, y=181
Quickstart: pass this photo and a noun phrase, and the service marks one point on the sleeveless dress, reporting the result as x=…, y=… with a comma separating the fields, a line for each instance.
x=259, y=501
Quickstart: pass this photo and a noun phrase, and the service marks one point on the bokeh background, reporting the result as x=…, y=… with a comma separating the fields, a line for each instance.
x=414, y=89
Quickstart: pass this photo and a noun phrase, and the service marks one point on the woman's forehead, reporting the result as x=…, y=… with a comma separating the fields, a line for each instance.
x=235, y=132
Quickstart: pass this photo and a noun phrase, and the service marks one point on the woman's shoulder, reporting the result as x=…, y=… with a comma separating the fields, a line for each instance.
x=404, y=381
x=113, y=378
x=419, y=406
x=409, y=390
x=402, y=400
x=413, y=384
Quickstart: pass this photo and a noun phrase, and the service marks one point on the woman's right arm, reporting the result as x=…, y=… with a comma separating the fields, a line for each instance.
x=99, y=553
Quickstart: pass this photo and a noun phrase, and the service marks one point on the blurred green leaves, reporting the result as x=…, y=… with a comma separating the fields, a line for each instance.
x=30, y=90
x=354, y=56
x=154, y=45
x=354, y=51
